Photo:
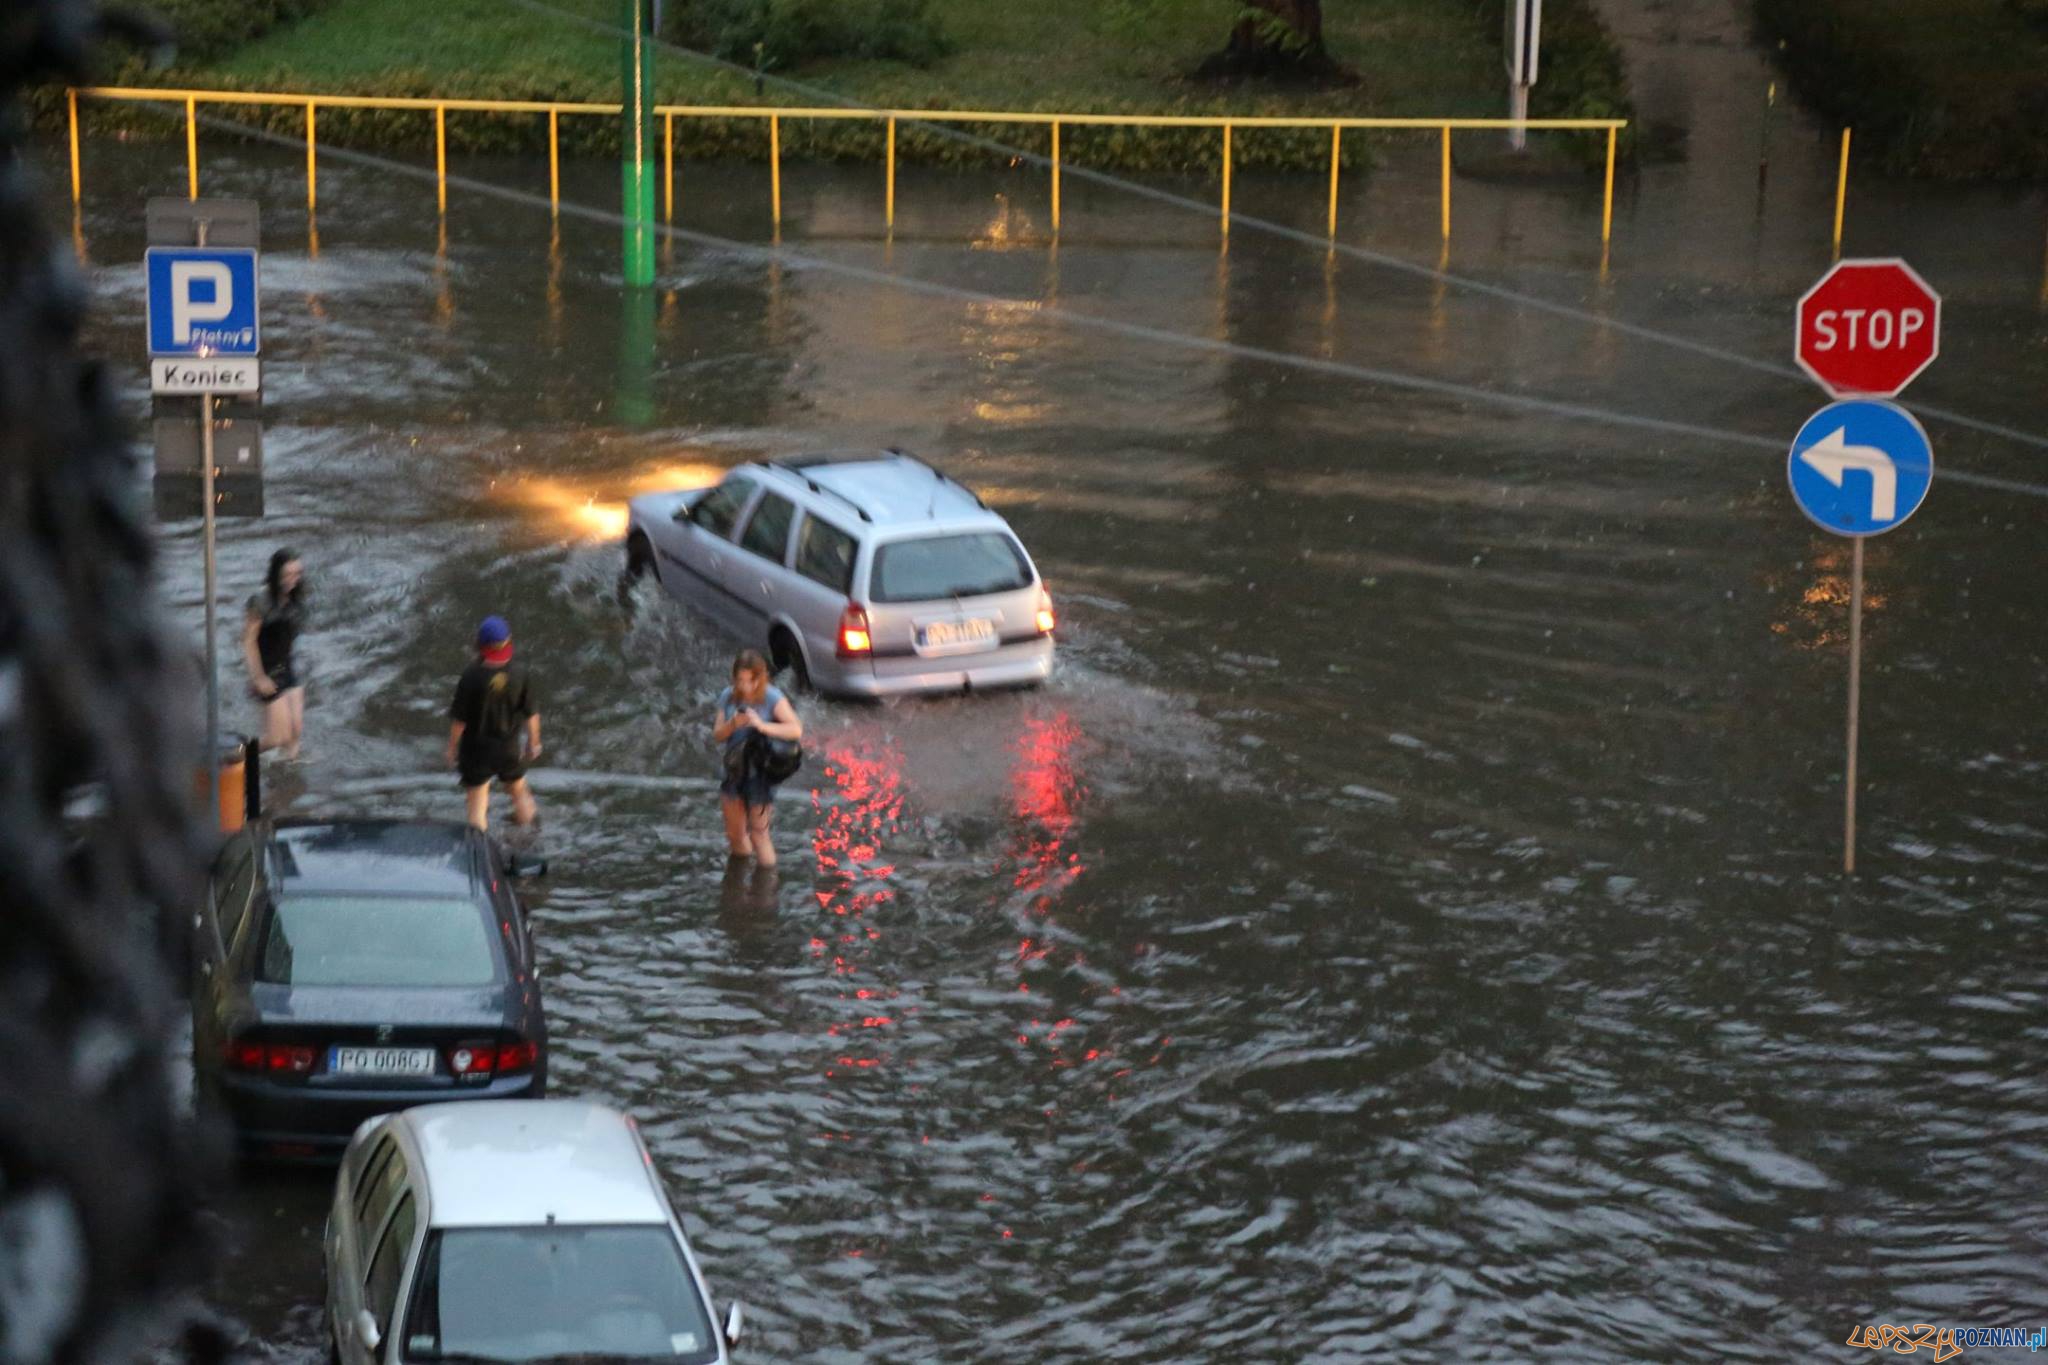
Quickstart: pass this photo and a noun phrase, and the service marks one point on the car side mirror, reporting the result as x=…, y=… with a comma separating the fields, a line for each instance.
x=683, y=513
x=366, y=1330
x=734, y=1321
x=526, y=866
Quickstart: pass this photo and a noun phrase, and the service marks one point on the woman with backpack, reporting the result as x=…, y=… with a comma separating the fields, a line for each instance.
x=760, y=731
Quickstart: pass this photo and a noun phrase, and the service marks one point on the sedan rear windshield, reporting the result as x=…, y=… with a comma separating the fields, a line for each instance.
x=376, y=941
x=938, y=567
x=528, y=1293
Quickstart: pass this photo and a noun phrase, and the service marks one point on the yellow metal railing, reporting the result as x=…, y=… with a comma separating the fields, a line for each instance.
x=1841, y=193
x=774, y=115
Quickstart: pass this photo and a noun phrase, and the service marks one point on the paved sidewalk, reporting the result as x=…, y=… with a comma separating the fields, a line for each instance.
x=1698, y=74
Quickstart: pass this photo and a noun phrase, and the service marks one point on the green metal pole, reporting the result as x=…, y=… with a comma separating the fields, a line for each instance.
x=634, y=405
x=636, y=145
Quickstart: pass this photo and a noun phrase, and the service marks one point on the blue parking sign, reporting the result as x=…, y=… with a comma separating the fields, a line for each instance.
x=202, y=301
x=1860, y=468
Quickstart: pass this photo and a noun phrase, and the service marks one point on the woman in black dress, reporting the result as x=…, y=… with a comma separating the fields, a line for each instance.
x=270, y=636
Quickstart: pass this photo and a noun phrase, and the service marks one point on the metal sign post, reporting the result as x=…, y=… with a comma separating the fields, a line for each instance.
x=1520, y=41
x=1868, y=327
x=202, y=326
x=1859, y=469
x=1855, y=699
x=212, y=649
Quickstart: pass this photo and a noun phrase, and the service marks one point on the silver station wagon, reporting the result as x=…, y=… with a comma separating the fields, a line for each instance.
x=863, y=573
x=502, y=1231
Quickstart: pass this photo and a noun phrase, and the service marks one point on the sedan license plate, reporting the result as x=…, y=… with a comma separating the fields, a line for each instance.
x=954, y=634
x=380, y=1061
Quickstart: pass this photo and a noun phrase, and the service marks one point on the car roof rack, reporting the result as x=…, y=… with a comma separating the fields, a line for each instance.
x=811, y=459
x=795, y=470
x=941, y=475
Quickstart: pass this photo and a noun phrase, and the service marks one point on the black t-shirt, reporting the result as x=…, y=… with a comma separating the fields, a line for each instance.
x=277, y=631
x=493, y=701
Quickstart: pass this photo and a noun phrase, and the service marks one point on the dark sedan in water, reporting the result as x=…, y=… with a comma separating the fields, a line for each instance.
x=348, y=968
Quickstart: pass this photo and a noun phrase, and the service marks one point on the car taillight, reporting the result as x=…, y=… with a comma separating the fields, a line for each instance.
x=518, y=1056
x=279, y=1059
x=480, y=1060
x=1046, y=620
x=854, y=635
x=471, y=1059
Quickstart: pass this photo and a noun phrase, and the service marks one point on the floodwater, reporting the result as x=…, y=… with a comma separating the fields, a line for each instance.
x=1407, y=927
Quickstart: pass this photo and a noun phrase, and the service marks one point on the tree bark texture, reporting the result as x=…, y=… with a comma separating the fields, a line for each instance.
x=1276, y=39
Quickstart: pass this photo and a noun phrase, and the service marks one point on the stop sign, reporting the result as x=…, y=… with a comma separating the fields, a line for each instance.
x=1868, y=328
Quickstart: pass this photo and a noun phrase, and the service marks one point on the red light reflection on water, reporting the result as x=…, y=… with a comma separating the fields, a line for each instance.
x=1046, y=791
x=860, y=809
x=862, y=803
x=851, y=830
x=1045, y=787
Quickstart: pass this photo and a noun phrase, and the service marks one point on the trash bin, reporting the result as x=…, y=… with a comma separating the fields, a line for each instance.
x=234, y=797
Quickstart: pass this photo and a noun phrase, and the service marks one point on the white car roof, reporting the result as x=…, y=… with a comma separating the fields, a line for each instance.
x=516, y=1163
x=896, y=491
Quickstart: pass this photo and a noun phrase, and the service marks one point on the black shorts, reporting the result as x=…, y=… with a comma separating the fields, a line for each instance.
x=753, y=788
x=484, y=763
x=283, y=675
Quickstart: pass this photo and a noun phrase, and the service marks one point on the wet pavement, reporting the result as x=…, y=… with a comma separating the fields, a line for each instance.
x=1405, y=928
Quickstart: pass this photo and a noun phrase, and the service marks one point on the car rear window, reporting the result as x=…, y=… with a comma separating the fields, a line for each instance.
x=524, y=1293
x=938, y=567
x=376, y=941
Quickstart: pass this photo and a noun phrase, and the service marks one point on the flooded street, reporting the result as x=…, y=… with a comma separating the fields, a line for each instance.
x=1407, y=927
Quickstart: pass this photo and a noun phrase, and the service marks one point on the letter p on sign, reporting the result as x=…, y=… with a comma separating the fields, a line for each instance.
x=187, y=308
x=202, y=301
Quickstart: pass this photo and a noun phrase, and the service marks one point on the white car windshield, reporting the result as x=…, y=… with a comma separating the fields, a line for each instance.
x=534, y=1293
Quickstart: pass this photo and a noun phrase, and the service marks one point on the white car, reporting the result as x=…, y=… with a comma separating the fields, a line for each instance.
x=511, y=1230
x=861, y=573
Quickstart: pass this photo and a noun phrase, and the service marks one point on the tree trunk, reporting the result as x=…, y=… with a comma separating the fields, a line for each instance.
x=1304, y=17
x=1276, y=39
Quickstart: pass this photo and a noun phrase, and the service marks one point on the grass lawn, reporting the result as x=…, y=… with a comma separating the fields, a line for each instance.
x=1949, y=88
x=1414, y=57
x=447, y=45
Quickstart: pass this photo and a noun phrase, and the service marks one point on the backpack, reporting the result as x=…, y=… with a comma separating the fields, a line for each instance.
x=775, y=759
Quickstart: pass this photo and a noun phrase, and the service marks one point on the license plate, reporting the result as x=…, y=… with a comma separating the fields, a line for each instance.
x=946, y=634
x=380, y=1061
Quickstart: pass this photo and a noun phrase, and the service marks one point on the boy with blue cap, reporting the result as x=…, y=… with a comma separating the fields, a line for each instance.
x=494, y=729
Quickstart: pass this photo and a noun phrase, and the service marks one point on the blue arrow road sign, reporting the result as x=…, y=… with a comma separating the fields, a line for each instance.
x=202, y=301
x=1860, y=468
